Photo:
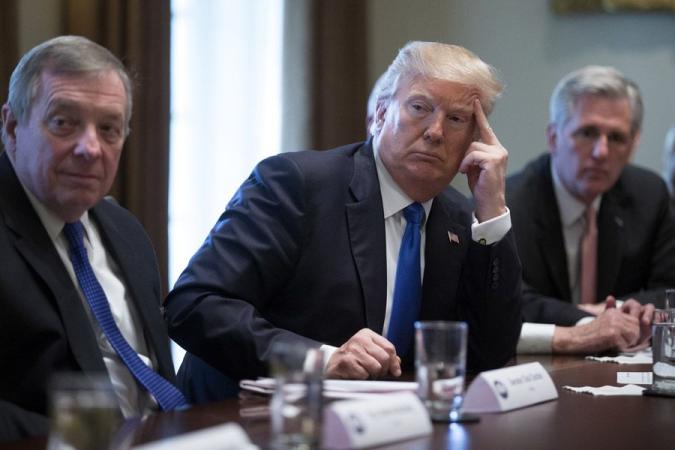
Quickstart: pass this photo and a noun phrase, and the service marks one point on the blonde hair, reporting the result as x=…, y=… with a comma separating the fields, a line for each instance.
x=442, y=61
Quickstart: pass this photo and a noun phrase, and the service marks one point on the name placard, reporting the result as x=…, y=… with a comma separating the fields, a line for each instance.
x=509, y=388
x=375, y=421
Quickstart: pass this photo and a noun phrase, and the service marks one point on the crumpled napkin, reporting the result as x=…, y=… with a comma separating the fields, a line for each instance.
x=643, y=357
x=628, y=389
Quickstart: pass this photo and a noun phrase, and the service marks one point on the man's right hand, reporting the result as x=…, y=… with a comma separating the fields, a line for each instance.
x=613, y=329
x=365, y=355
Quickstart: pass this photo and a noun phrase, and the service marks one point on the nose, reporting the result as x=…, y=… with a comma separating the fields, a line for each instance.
x=88, y=145
x=434, y=130
x=601, y=147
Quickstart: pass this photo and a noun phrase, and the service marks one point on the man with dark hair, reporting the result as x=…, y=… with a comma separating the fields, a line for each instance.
x=79, y=287
x=345, y=249
x=590, y=227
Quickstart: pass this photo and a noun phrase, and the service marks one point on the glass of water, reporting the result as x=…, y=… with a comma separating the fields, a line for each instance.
x=296, y=407
x=663, y=351
x=440, y=365
x=84, y=412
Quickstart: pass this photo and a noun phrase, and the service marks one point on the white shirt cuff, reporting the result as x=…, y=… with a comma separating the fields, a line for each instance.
x=328, y=351
x=536, y=338
x=491, y=230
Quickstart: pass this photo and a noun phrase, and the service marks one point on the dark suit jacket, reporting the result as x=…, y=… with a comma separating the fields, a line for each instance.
x=43, y=325
x=636, y=241
x=299, y=254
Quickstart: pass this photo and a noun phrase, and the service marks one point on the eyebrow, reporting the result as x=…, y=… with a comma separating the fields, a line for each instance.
x=58, y=103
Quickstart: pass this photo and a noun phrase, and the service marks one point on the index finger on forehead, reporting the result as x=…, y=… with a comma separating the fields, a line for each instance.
x=486, y=134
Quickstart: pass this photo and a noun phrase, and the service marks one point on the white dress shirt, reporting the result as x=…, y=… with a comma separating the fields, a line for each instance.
x=394, y=200
x=134, y=400
x=538, y=337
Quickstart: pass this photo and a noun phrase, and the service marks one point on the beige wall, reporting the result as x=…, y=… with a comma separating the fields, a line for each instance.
x=39, y=20
x=533, y=48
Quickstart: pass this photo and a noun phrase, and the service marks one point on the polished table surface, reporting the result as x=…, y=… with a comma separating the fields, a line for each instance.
x=573, y=421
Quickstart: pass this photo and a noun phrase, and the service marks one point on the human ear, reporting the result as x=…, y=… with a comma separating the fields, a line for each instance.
x=380, y=112
x=552, y=137
x=8, y=130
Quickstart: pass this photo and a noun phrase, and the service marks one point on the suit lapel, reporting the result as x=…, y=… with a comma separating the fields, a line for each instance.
x=447, y=242
x=365, y=221
x=610, y=242
x=35, y=245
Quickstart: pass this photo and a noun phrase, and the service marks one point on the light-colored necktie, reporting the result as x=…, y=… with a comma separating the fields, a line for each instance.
x=589, y=257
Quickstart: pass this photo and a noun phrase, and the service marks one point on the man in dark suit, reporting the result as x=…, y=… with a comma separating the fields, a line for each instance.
x=306, y=251
x=596, y=115
x=63, y=128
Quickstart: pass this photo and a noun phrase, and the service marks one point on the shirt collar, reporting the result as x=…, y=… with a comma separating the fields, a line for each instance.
x=570, y=207
x=393, y=197
x=52, y=223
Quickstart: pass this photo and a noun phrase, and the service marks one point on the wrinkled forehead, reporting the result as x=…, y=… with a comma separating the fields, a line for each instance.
x=49, y=80
x=447, y=92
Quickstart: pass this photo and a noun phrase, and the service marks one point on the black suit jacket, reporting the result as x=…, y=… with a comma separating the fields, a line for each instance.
x=636, y=241
x=43, y=325
x=299, y=254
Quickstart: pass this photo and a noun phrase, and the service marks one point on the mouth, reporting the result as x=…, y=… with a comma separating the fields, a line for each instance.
x=80, y=177
x=426, y=157
x=594, y=172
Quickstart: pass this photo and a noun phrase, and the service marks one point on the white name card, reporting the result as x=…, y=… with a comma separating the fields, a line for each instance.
x=377, y=421
x=227, y=436
x=509, y=388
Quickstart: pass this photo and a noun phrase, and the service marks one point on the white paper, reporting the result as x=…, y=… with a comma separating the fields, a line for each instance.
x=344, y=389
x=643, y=357
x=627, y=390
x=228, y=436
x=634, y=377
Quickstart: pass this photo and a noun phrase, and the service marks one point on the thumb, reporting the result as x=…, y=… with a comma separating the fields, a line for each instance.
x=610, y=302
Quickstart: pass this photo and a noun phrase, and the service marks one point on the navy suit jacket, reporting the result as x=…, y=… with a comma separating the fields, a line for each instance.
x=636, y=241
x=299, y=255
x=44, y=327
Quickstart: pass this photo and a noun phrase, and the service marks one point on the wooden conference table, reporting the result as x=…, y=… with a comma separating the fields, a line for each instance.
x=573, y=421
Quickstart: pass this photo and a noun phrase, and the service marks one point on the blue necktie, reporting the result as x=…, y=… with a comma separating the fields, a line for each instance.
x=408, y=284
x=165, y=393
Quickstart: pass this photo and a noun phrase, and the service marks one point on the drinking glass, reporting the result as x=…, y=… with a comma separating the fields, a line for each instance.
x=84, y=412
x=296, y=407
x=663, y=351
x=440, y=365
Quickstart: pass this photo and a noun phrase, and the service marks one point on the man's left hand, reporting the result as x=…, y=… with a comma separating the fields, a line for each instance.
x=644, y=313
x=485, y=168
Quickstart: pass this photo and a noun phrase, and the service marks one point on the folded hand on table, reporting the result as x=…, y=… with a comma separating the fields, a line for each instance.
x=626, y=329
x=365, y=355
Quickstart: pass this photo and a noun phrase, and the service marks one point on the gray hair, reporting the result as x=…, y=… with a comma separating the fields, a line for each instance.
x=63, y=55
x=372, y=101
x=446, y=62
x=601, y=81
